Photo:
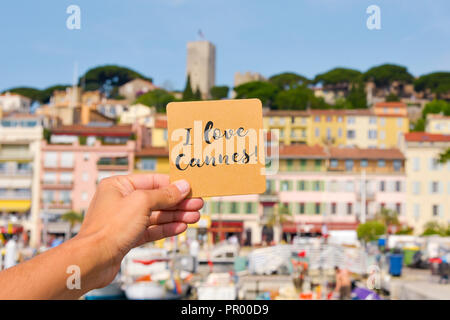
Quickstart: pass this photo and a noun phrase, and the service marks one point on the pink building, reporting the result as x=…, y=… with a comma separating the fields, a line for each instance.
x=73, y=162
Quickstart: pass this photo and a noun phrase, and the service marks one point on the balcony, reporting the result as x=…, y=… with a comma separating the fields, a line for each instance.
x=60, y=185
x=16, y=173
x=14, y=195
x=269, y=196
x=113, y=164
x=16, y=155
x=57, y=205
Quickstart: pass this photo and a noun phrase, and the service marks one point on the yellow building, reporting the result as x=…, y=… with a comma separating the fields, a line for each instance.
x=152, y=159
x=327, y=127
x=293, y=125
x=438, y=123
x=428, y=181
x=159, y=133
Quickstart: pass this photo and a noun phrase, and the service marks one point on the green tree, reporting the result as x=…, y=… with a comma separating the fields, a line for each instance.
x=198, y=94
x=219, y=92
x=265, y=91
x=357, y=95
x=73, y=218
x=188, y=93
x=392, y=97
x=338, y=76
x=370, y=231
x=444, y=157
x=419, y=125
x=297, y=98
x=436, y=82
x=436, y=106
x=387, y=217
x=288, y=80
x=157, y=98
x=385, y=74
x=108, y=78
x=433, y=228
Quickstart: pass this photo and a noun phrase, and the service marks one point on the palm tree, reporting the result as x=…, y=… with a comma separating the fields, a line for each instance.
x=278, y=218
x=73, y=218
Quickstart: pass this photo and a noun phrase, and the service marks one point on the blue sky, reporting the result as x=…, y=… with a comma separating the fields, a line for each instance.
x=267, y=36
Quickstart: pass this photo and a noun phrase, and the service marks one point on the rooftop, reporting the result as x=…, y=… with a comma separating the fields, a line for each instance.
x=153, y=152
x=302, y=151
x=390, y=105
x=357, y=153
x=426, y=137
x=81, y=130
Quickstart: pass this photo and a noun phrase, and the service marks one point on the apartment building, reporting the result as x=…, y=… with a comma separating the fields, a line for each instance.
x=20, y=140
x=14, y=102
x=74, y=161
x=428, y=181
x=363, y=128
x=438, y=123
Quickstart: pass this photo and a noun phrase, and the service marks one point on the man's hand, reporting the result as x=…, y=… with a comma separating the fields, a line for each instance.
x=125, y=212
x=128, y=211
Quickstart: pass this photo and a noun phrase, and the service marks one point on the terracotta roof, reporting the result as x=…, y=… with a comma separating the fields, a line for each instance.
x=302, y=151
x=359, y=112
x=357, y=153
x=390, y=105
x=328, y=112
x=153, y=151
x=286, y=113
x=426, y=137
x=81, y=130
x=159, y=123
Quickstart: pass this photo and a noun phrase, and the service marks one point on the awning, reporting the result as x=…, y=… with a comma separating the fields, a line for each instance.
x=15, y=205
x=316, y=227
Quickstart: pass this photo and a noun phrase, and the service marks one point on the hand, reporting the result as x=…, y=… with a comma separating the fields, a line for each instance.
x=128, y=211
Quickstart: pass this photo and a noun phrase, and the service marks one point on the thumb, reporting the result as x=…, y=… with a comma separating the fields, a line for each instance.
x=163, y=198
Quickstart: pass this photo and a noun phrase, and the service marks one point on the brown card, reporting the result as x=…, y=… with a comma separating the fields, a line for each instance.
x=218, y=146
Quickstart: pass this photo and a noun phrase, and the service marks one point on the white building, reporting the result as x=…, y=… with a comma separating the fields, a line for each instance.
x=14, y=102
x=20, y=140
x=201, y=66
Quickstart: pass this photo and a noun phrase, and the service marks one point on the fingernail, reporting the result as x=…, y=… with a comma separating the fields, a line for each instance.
x=183, y=186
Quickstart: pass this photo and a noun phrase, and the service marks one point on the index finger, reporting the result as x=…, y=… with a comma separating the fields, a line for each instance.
x=148, y=181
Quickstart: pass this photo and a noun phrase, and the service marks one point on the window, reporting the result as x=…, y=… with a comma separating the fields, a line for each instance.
x=397, y=165
x=328, y=133
x=317, y=132
x=285, y=186
x=351, y=134
x=271, y=121
x=349, y=208
x=333, y=163
x=50, y=159
x=373, y=120
x=398, y=208
x=65, y=196
x=364, y=163
x=317, y=164
x=350, y=120
x=66, y=178
x=416, y=164
x=416, y=187
x=301, y=208
x=248, y=207
x=281, y=133
x=165, y=135
x=382, y=135
x=303, y=164
x=398, y=186
x=317, y=208
x=339, y=119
x=86, y=156
x=340, y=132
x=372, y=134
x=47, y=196
x=328, y=119
x=434, y=164
x=301, y=185
x=234, y=207
x=316, y=185
x=317, y=119
x=399, y=122
x=382, y=121
x=49, y=178
x=416, y=211
x=381, y=163
x=349, y=186
x=349, y=165
x=282, y=121
x=66, y=159
x=436, y=210
x=289, y=164
x=382, y=186
x=434, y=187
x=333, y=208
x=148, y=164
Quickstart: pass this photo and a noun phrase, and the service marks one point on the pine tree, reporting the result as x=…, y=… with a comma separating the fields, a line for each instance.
x=198, y=94
x=188, y=94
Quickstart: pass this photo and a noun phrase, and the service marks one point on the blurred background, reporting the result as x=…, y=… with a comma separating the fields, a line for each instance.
x=359, y=92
